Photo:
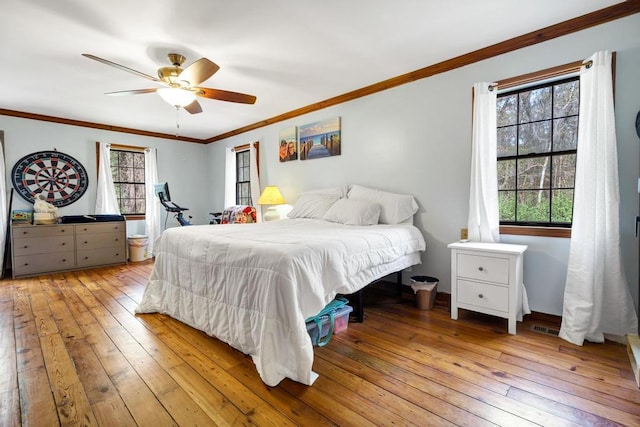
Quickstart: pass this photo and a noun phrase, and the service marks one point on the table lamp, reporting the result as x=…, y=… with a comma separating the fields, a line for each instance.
x=271, y=196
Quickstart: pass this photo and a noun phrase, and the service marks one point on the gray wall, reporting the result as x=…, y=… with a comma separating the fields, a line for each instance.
x=182, y=164
x=416, y=139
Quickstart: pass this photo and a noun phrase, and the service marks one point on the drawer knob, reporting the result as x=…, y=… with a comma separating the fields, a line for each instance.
x=62, y=231
x=63, y=244
x=85, y=242
x=25, y=246
x=480, y=296
x=64, y=260
x=480, y=269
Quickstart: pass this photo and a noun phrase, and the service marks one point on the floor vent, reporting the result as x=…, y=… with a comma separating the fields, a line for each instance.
x=545, y=330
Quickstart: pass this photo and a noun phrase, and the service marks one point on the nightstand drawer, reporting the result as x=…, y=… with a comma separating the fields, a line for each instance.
x=485, y=268
x=483, y=295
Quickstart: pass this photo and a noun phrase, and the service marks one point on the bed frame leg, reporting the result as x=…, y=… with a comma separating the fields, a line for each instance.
x=399, y=283
x=359, y=314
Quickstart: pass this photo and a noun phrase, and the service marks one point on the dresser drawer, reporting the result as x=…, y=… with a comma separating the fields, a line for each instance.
x=42, y=263
x=42, y=231
x=102, y=256
x=53, y=244
x=99, y=240
x=104, y=227
x=483, y=295
x=486, y=268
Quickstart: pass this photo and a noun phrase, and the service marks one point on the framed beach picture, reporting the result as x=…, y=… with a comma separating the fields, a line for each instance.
x=288, y=146
x=319, y=139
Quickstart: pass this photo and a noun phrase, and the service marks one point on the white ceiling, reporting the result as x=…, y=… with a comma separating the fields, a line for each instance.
x=289, y=54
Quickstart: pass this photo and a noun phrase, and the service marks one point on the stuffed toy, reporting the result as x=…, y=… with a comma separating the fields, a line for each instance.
x=40, y=205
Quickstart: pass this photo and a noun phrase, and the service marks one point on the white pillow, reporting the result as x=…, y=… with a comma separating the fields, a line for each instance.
x=395, y=208
x=353, y=212
x=339, y=191
x=312, y=206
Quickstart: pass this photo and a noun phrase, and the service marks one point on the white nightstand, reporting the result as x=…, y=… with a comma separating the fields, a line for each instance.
x=487, y=278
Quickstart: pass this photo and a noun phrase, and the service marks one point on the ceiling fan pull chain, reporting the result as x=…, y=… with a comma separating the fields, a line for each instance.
x=177, y=120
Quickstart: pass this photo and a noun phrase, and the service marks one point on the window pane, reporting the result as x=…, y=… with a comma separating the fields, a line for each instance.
x=129, y=205
x=535, y=105
x=507, y=112
x=138, y=160
x=126, y=174
x=533, y=206
x=533, y=173
x=139, y=190
x=565, y=134
x=507, y=141
x=535, y=138
x=138, y=175
x=562, y=208
x=566, y=99
x=564, y=171
x=507, y=201
x=125, y=159
x=139, y=206
x=506, y=175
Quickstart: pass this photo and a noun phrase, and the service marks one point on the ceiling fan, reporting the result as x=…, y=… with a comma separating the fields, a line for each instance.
x=180, y=86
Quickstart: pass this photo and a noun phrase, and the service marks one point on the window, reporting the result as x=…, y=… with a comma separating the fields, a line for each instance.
x=243, y=177
x=537, y=140
x=127, y=169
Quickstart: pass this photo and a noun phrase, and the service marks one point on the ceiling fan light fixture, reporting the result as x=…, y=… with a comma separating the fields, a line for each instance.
x=176, y=96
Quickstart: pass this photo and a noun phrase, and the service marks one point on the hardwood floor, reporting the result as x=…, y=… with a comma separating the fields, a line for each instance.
x=72, y=352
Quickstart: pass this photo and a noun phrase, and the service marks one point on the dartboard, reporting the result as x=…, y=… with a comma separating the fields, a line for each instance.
x=58, y=176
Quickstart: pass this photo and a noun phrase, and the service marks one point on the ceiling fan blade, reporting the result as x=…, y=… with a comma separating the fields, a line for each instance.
x=225, y=95
x=193, y=108
x=199, y=71
x=131, y=92
x=122, y=67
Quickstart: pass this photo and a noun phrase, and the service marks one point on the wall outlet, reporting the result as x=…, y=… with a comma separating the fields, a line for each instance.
x=464, y=233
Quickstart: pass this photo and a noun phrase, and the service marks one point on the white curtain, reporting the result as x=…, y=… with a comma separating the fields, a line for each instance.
x=255, y=178
x=230, y=178
x=106, y=200
x=597, y=299
x=3, y=209
x=484, y=219
x=152, y=214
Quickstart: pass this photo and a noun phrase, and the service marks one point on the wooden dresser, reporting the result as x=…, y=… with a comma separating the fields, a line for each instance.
x=38, y=249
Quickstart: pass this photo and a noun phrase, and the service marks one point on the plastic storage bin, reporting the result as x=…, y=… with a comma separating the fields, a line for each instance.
x=425, y=289
x=138, y=247
x=340, y=324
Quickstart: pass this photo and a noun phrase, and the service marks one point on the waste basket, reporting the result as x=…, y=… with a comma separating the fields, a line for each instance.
x=138, y=247
x=425, y=289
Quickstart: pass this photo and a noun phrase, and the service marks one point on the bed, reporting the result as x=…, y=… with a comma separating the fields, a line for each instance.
x=253, y=285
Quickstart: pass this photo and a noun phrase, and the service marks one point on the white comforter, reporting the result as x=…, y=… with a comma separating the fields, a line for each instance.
x=253, y=285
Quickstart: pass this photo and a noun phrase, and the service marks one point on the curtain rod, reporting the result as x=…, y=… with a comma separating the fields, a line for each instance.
x=549, y=73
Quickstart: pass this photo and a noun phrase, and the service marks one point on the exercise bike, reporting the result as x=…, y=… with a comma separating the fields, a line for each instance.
x=162, y=191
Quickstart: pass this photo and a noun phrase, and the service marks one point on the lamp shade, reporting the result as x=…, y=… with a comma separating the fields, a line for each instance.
x=271, y=196
x=176, y=96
